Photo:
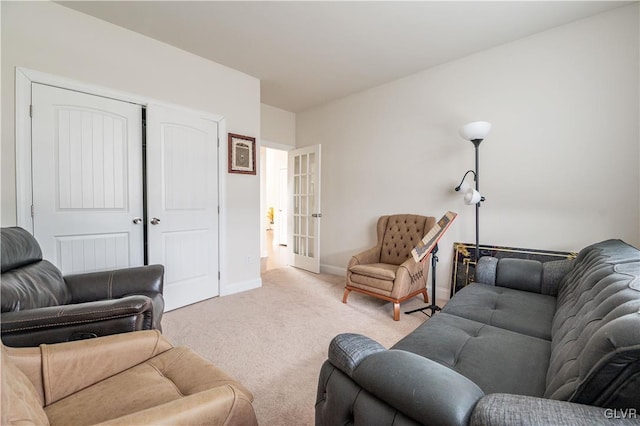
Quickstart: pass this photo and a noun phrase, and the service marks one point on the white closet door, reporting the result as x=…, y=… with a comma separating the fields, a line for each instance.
x=182, y=203
x=87, y=180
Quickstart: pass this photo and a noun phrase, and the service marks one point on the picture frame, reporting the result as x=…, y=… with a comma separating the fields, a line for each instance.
x=242, y=154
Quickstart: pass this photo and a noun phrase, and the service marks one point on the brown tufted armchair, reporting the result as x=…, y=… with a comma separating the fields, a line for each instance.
x=388, y=271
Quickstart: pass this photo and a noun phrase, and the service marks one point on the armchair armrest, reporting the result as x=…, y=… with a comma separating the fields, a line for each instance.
x=410, y=276
x=371, y=255
x=408, y=382
x=498, y=409
x=92, y=286
x=58, y=323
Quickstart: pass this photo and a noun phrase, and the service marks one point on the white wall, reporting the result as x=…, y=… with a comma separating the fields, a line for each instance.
x=278, y=126
x=50, y=38
x=560, y=169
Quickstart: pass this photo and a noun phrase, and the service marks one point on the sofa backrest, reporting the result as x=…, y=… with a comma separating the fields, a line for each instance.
x=402, y=232
x=595, y=347
x=27, y=281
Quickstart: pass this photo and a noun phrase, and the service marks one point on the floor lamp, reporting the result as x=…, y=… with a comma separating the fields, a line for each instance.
x=474, y=132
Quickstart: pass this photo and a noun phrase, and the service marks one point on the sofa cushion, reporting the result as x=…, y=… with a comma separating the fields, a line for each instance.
x=497, y=360
x=520, y=311
x=382, y=271
x=37, y=285
x=595, y=356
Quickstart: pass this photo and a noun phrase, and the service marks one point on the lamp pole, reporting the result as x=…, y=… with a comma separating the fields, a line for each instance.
x=476, y=144
x=475, y=132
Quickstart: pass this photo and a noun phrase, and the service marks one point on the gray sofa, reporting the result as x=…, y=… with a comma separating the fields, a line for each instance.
x=530, y=343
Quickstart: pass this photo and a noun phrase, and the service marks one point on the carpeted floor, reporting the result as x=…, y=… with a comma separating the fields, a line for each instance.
x=274, y=339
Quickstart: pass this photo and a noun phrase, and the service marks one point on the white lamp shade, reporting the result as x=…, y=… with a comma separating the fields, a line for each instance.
x=475, y=130
x=472, y=197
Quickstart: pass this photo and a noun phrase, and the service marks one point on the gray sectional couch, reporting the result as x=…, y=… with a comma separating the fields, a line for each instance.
x=529, y=343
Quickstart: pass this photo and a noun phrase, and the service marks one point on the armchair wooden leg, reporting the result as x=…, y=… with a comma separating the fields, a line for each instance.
x=396, y=311
x=346, y=294
x=425, y=295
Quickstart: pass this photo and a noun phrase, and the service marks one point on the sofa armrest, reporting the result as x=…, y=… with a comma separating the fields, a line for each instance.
x=57, y=323
x=114, y=284
x=412, y=384
x=500, y=409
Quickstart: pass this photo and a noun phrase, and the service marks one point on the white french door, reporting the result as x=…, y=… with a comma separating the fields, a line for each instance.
x=87, y=180
x=182, y=206
x=304, y=212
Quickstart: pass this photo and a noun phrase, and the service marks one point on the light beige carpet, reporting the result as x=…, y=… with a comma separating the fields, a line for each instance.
x=274, y=339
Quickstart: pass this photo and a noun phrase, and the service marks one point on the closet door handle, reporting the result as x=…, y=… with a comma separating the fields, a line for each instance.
x=155, y=221
x=137, y=220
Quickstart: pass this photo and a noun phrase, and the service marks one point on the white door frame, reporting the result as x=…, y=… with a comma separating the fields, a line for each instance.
x=24, y=195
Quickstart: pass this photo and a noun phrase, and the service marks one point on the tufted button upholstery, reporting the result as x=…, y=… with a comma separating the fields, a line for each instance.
x=388, y=271
x=598, y=311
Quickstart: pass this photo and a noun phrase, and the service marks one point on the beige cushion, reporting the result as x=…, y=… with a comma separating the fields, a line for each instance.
x=382, y=271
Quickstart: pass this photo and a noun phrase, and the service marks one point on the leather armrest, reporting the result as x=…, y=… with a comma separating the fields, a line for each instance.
x=408, y=382
x=371, y=255
x=65, y=315
x=414, y=385
x=114, y=284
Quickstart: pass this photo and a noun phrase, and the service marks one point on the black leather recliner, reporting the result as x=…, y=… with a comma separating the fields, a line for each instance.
x=39, y=305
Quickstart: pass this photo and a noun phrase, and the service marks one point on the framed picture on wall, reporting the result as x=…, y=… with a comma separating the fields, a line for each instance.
x=242, y=154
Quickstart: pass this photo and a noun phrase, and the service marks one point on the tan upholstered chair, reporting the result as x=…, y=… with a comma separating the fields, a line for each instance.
x=133, y=378
x=388, y=271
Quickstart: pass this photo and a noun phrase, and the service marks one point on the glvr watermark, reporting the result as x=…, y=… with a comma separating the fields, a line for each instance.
x=621, y=413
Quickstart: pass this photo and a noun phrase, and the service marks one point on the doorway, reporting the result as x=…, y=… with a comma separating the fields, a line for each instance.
x=274, y=196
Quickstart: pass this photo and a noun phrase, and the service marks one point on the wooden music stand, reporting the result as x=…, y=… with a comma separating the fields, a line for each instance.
x=429, y=245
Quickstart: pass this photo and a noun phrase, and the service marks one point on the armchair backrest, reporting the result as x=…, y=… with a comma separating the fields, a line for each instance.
x=28, y=282
x=399, y=234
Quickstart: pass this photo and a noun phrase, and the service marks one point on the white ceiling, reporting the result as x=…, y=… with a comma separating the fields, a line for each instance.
x=307, y=53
